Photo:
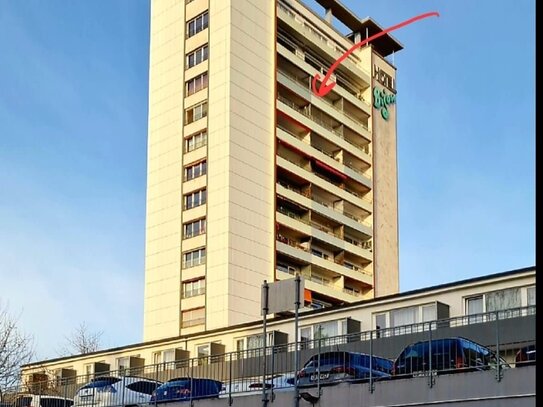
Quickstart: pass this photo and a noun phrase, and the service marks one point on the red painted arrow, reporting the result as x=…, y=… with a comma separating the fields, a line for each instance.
x=324, y=88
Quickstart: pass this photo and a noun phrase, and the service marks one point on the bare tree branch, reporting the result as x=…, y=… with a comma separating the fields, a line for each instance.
x=16, y=349
x=81, y=341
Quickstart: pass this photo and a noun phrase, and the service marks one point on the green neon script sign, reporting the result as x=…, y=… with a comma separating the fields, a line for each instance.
x=382, y=100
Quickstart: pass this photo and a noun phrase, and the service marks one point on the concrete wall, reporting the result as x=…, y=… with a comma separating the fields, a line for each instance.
x=385, y=192
x=241, y=164
x=164, y=171
x=475, y=389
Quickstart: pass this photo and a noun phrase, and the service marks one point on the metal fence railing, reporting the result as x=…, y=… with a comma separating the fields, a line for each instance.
x=487, y=342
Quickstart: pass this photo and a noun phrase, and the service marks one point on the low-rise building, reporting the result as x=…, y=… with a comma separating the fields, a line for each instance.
x=496, y=310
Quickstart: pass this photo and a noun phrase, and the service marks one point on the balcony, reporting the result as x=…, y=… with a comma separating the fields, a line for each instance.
x=324, y=128
x=366, y=245
x=308, y=276
x=194, y=262
x=309, y=147
x=352, y=291
x=193, y=293
x=193, y=322
x=323, y=285
x=319, y=231
x=326, y=207
x=347, y=194
x=303, y=89
x=306, y=111
x=303, y=253
x=327, y=47
x=297, y=57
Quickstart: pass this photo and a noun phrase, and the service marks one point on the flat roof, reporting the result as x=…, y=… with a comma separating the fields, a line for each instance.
x=312, y=312
x=341, y=12
x=385, y=44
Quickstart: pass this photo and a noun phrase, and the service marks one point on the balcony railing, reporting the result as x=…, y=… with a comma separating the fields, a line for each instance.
x=315, y=63
x=307, y=84
x=318, y=279
x=347, y=164
x=291, y=214
x=290, y=270
x=326, y=229
x=352, y=167
x=194, y=262
x=326, y=204
x=349, y=190
x=364, y=244
x=315, y=34
x=363, y=197
x=354, y=267
x=192, y=322
x=352, y=291
x=196, y=145
x=309, y=276
x=193, y=233
x=326, y=125
x=238, y=370
x=293, y=243
x=193, y=293
x=315, y=225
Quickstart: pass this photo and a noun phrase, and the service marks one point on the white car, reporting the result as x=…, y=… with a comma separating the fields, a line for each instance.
x=35, y=400
x=108, y=391
x=253, y=385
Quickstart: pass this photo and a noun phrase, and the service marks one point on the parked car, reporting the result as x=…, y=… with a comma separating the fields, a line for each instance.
x=337, y=366
x=35, y=400
x=106, y=391
x=186, y=388
x=277, y=382
x=525, y=356
x=448, y=355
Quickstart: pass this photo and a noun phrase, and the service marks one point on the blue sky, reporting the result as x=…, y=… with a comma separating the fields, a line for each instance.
x=73, y=127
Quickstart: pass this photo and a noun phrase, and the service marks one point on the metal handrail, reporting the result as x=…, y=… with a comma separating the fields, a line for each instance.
x=340, y=79
x=309, y=115
x=304, y=140
x=330, y=128
x=352, y=291
x=295, y=79
x=218, y=365
x=194, y=262
x=297, y=245
x=325, y=204
x=318, y=226
x=193, y=322
x=307, y=26
x=193, y=293
x=197, y=145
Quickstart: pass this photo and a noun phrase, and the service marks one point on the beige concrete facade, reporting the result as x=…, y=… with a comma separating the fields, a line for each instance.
x=241, y=165
x=253, y=177
x=165, y=170
x=385, y=188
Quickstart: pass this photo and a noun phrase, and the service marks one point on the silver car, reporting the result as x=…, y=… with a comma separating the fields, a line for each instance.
x=109, y=391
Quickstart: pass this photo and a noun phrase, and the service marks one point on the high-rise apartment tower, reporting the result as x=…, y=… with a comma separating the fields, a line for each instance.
x=253, y=177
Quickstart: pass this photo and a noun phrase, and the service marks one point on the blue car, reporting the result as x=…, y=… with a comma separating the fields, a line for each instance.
x=448, y=355
x=186, y=388
x=338, y=366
